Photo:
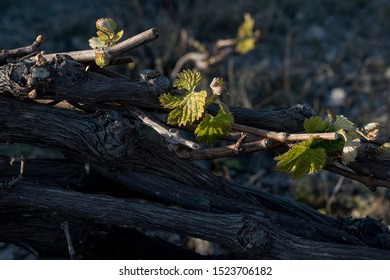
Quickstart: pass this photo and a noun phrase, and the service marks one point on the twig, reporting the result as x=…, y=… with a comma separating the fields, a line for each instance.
x=332, y=197
x=238, y=146
x=169, y=136
x=65, y=227
x=20, y=52
x=228, y=151
x=284, y=136
x=13, y=181
x=117, y=51
x=371, y=183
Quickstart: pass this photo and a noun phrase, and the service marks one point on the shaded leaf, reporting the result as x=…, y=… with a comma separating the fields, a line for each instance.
x=333, y=148
x=301, y=159
x=342, y=122
x=315, y=124
x=211, y=128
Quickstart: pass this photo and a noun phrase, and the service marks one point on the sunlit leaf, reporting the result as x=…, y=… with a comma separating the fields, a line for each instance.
x=246, y=40
x=103, y=36
x=187, y=79
x=189, y=110
x=350, y=151
x=170, y=101
x=211, y=128
x=315, y=124
x=301, y=159
x=118, y=36
x=107, y=25
x=95, y=43
x=102, y=58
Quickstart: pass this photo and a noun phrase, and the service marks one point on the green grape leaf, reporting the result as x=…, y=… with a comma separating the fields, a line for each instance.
x=246, y=45
x=211, y=128
x=342, y=122
x=315, y=124
x=96, y=42
x=224, y=108
x=301, y=159
x=333, y=149
x=107, y=25
x=103, y=36
x=187, y=79
x=189, y=109
x=246, y=40
x=106, y=34
x=118, y=36
x=170, y=101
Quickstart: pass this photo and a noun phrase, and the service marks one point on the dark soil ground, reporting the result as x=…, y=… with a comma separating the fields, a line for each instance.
x=333, y=55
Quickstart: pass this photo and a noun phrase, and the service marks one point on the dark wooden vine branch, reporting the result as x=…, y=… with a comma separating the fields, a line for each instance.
x=112, y=181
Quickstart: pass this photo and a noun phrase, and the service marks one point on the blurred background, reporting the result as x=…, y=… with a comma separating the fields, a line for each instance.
x=333, y=55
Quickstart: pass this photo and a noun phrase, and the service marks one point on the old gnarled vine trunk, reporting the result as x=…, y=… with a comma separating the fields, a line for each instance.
x=112, y=185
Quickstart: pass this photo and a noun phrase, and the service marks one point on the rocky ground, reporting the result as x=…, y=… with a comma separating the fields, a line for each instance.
x=333, y=55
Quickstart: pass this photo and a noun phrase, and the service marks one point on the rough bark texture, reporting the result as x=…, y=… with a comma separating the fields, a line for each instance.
x=135, y=183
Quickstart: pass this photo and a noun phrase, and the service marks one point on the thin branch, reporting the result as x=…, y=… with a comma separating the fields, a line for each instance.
x=228, y=151
x=284, y=136
x=371, y=183
x=65, y=228
x=20, y=52
x=169, y=136
x=118, y=51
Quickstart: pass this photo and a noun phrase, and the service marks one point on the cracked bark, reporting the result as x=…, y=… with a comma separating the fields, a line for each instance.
x=135, y=183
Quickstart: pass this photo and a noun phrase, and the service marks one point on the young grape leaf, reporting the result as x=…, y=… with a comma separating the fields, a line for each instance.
x=350, y=151
x=102, y=58
x=106, y=25
x=315, y=124
x=187, y=79
x=106, y=34
x=301, y=159
x=188, y=110
x=170, y=101
x=342, y=123
x=95, y=43
x=211, y=128
x=245, y=38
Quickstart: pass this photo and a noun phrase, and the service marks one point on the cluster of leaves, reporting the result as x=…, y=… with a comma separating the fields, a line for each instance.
x=312, y=155
x=246, y=37
x=190, y=107
x=107, y=37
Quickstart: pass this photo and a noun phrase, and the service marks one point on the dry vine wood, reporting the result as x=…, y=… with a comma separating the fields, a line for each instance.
x=112, y=181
